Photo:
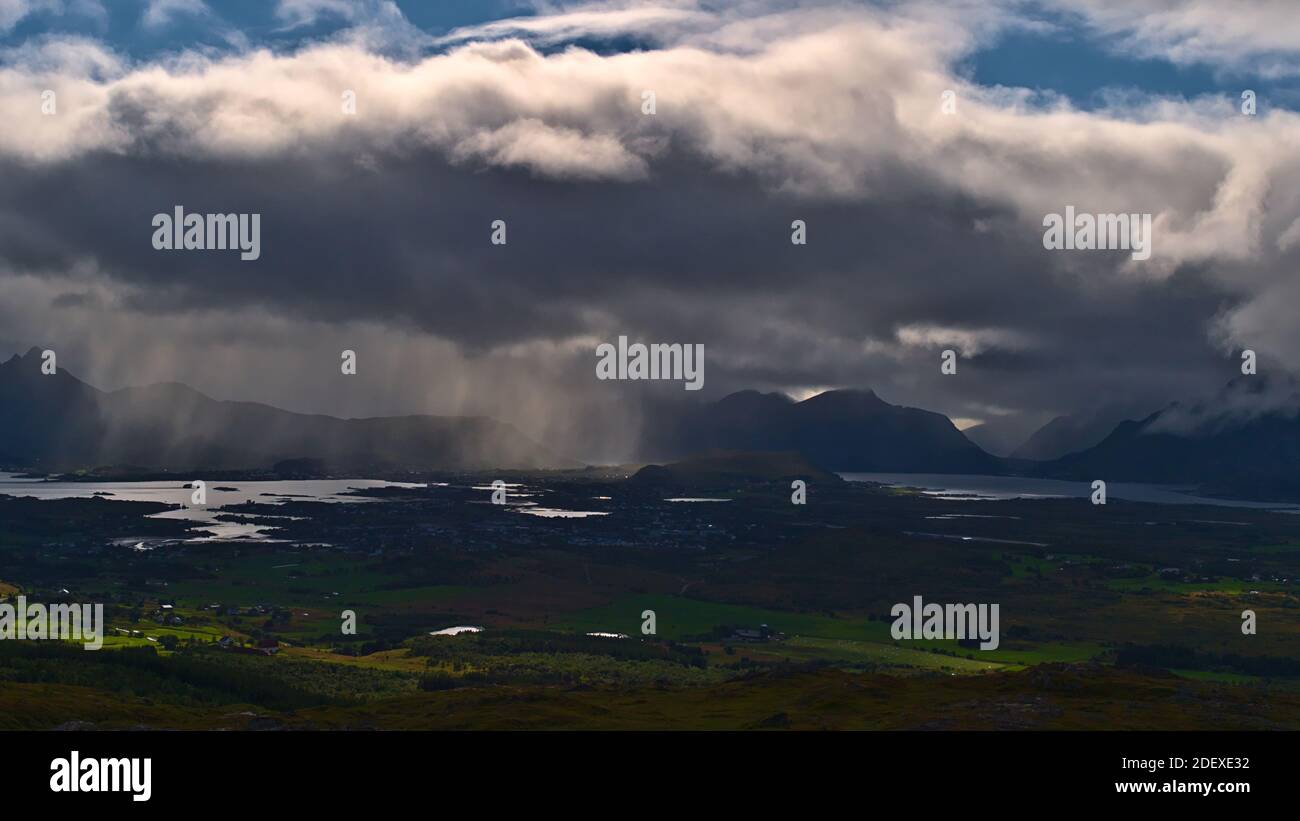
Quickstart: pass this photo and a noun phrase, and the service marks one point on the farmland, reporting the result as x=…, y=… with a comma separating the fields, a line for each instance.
x=759, y=615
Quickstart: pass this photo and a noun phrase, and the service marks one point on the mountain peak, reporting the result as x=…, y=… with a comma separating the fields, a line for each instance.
x=846, y=397
x=33, y=354
x=843, y=429
x=755, y=397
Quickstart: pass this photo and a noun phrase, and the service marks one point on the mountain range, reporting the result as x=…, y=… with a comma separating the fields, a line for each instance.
x=1242, y=441
x=840, y=430
x=1077, y=431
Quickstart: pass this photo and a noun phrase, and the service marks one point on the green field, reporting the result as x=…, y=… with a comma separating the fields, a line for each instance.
x=679, y=617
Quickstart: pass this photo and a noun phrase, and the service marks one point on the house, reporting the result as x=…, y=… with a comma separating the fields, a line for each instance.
x=268, y=647
x=763, y=633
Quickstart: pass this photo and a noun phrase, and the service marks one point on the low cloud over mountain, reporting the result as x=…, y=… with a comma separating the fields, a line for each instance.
x=56, y=422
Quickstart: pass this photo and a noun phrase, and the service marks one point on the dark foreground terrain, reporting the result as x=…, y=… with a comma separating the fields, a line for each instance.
x=766, y=614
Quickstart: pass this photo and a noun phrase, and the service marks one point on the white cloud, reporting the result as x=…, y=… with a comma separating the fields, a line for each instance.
x=11, y=11
x=160, y=13
x=552, y=152
x=836, y=111
x=600, y=20
x=306, y=12
x=830, y=103
x=966, y=341
x=1255, y=36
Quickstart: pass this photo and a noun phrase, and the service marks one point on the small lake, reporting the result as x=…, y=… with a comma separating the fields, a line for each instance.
x=977, y=487
x=173, y=492
x=558, y=513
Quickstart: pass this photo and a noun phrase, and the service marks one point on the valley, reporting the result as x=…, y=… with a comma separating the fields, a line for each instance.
x=1127, y=595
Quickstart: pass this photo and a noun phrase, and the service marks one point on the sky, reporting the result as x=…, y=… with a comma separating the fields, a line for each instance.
x=924, y=223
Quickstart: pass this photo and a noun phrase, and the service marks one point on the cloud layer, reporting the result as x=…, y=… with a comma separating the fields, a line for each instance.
x=924, y=225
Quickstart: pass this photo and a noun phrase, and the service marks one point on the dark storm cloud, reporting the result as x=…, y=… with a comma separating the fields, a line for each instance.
x=924, y=229
x=688, y=255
